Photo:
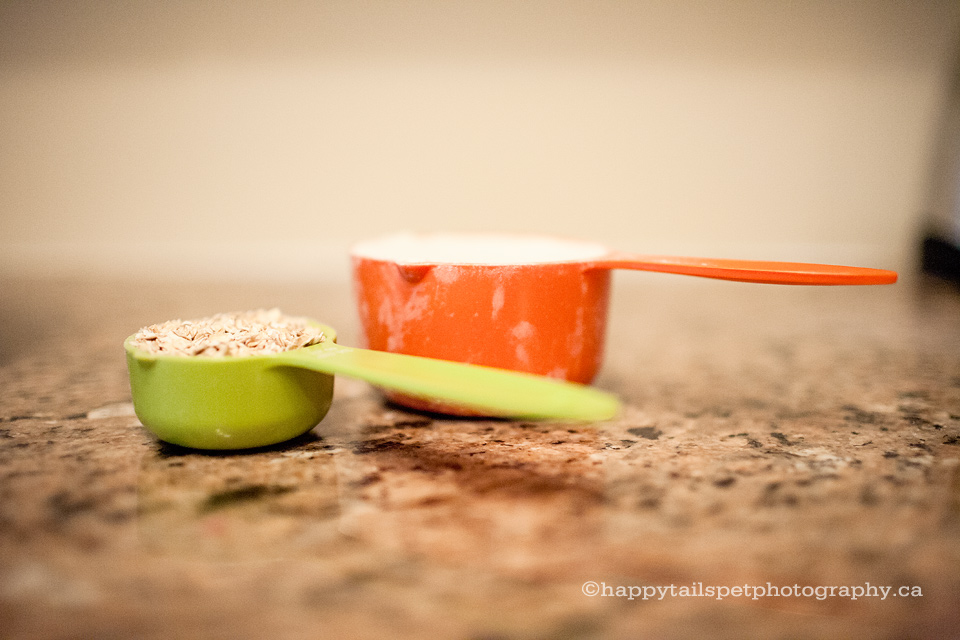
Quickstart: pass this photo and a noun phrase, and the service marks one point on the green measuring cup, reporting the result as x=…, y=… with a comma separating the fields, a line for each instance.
x=238, y=402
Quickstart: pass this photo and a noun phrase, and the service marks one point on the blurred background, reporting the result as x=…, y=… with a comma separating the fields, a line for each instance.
x=259, y=140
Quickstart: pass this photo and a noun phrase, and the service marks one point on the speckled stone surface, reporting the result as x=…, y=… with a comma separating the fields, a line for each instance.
x=792, y=436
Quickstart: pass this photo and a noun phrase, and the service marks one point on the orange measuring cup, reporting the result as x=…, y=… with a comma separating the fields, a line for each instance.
x=528, y=303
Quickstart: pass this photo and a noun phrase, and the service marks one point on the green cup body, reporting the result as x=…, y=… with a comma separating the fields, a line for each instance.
x=232, y=402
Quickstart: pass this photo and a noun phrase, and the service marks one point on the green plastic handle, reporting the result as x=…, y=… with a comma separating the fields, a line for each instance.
x=485, y=389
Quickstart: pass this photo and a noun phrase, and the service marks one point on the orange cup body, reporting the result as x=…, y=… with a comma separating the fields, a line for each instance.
x=548, y=319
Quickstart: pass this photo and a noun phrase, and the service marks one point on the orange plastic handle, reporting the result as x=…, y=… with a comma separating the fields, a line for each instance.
x=749, y=270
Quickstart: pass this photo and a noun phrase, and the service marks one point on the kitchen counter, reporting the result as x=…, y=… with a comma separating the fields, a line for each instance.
x=779, y=437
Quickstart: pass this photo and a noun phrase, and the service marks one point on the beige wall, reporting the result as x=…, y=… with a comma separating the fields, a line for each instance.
x=260, y=139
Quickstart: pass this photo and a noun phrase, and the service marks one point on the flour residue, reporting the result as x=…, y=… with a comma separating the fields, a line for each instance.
x=523, y=330
x=496, y=303
x=446, y=274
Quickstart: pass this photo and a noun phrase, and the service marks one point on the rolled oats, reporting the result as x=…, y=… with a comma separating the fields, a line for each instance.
x=229, y=334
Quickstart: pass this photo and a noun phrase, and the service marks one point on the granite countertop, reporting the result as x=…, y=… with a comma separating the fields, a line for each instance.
x=785, y=436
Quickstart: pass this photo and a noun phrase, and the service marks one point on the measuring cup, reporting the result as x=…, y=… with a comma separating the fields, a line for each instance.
x=526, y=303
x=236, y=402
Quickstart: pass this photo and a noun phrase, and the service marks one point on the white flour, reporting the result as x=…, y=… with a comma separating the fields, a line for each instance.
x=488, y=249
